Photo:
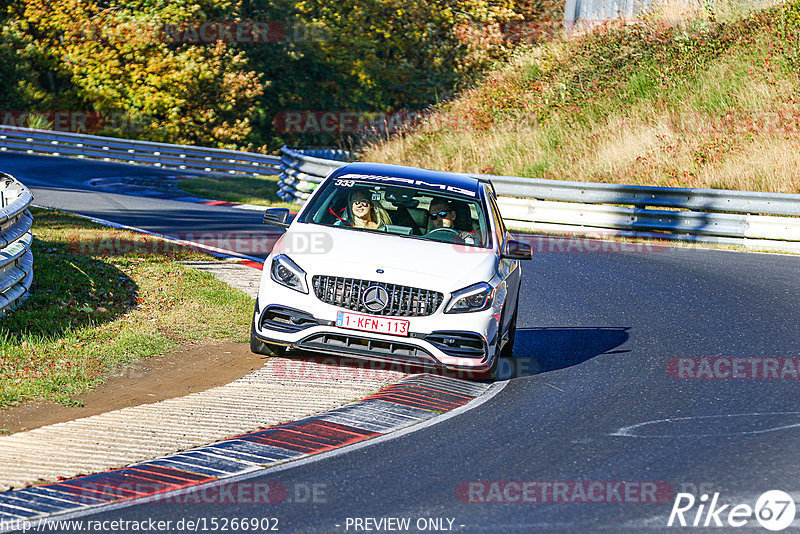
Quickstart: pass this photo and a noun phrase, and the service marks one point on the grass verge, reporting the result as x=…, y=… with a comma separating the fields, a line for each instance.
x=703, y=97
x=258, y=190
x=103, y=297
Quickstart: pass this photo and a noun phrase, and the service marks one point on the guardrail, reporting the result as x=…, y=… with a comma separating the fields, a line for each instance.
x=16, y=258
x=302, y=170
x=189, y=159
x=766, y=220
x=770, y=221
x=689, y=214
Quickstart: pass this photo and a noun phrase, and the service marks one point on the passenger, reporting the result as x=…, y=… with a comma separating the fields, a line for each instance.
x=442, y=214
x=365, y=213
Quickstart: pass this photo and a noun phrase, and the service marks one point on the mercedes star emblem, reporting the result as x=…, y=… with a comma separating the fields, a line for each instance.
x=375, y=298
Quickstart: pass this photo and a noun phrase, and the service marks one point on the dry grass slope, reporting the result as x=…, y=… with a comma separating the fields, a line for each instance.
x=700, y=97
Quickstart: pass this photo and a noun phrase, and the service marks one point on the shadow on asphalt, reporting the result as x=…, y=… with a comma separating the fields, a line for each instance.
x=536, y=350
x=540, y=350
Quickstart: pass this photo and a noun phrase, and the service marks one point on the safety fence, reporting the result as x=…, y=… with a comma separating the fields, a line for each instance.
x=190, y=159
x=16, y=258
x=766, y=220
x=584, y=13
x=302, y=169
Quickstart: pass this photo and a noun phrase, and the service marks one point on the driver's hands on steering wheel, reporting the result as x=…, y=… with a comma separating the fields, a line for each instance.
x=451, y=235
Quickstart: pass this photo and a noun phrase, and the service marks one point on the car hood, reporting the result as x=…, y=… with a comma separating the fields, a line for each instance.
x=414, y=262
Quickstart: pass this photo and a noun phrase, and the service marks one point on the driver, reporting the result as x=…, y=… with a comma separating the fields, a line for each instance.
x=442, y=214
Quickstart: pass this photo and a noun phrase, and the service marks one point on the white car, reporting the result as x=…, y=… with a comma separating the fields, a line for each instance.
x=395, y=264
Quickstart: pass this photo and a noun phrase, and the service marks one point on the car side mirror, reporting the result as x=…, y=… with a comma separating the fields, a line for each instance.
x=277, y=217
x=517, y=250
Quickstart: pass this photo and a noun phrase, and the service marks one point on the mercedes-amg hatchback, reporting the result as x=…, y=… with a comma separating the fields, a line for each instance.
x=395, y=264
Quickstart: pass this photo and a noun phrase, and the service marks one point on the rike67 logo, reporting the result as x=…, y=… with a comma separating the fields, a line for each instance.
x=774, y=510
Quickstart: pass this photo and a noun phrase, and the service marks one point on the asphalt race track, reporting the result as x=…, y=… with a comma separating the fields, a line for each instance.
x=607, y=344
x=61, y=183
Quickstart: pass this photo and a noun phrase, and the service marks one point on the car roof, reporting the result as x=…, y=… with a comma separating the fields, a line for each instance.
x=425, y=178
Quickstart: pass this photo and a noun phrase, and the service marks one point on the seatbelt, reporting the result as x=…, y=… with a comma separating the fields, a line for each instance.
x=335, y=215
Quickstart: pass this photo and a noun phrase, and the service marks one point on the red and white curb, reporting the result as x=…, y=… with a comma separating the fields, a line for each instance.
x=413, y=400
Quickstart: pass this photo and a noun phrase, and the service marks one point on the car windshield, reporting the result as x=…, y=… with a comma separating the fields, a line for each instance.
x=404, y=211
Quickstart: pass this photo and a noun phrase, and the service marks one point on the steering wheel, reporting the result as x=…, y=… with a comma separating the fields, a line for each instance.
x=448, y=235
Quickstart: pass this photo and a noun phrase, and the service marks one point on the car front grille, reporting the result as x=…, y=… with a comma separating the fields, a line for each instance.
x=404, y=301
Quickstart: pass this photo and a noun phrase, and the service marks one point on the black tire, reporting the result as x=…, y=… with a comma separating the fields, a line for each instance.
x=491, y=374
x=268, y=349
x=508, y=348
x=260, y=347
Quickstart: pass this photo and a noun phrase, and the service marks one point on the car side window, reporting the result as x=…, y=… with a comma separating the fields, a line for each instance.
x=499, y=226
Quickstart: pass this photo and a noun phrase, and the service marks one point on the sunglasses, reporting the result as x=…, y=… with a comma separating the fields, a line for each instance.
x=439, y=214
x=362, y=201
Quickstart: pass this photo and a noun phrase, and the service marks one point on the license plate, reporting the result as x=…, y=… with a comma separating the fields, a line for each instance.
x=371, y=323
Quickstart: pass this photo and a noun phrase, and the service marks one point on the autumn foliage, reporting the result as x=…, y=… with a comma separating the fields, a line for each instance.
x=217, y=73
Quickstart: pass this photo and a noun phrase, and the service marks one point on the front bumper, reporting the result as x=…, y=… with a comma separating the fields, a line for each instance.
x=444, y=341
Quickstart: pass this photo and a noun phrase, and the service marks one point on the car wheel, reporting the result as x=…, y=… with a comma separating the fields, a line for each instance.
x=508, y=348
x=491, y=374
x=268, y=349
x=259, y=347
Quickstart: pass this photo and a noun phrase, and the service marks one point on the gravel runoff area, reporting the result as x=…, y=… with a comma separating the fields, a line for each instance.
x=283, y=390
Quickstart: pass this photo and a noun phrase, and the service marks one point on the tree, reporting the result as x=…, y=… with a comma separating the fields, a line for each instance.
x=122, y=58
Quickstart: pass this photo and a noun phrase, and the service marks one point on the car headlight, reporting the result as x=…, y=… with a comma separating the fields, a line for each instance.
x=476, y=297
x=286, y=272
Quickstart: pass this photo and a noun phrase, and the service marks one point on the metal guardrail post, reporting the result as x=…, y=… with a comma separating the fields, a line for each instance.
x=16, y=258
